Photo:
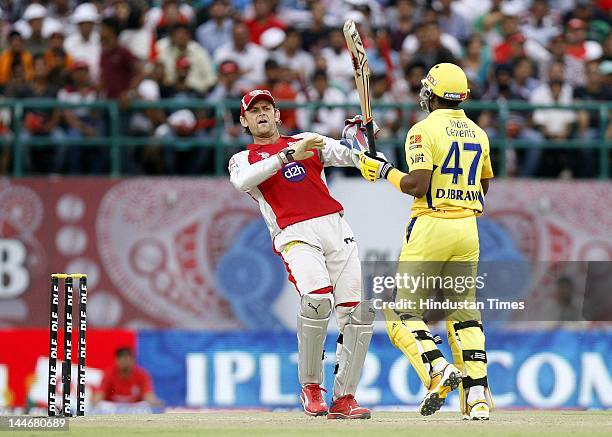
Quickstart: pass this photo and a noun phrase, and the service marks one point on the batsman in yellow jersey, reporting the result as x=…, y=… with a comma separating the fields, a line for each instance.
x=449, y=171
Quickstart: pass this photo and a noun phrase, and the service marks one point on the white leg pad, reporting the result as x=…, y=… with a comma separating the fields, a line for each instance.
x=315, y=311
x=354, y=347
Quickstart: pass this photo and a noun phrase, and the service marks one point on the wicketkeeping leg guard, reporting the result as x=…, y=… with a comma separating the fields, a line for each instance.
x=356, y=327
x=467, y=342
x=412, y=337
x=315, y=310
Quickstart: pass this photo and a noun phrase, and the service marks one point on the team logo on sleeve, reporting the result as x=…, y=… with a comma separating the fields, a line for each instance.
x=419, y=157
x=294, y=172
x=414, y=141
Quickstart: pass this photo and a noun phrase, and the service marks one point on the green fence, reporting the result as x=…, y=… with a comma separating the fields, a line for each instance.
x=116, y=139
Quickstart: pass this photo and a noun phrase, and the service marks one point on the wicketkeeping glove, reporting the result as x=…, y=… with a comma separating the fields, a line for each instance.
x=301, y=149
x=374, y=167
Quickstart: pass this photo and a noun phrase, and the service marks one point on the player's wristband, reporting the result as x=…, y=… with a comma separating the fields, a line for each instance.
x=285, y=156
x=386, y=168
x=394, y=176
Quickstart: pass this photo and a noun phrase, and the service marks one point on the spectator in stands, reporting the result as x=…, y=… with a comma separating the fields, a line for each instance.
x=60, y=12
x=126, y=382
x=85, y=44
x=120, y=70
x=170, y=15
x=510, y=49
x=35, y=15
x=523, y=73
x=338, y=61
x=231, y=86
x=263, y=20
x=540, y=23
x=407, y=89
x=589, y=122
x=13, y=58
x=249, y=56
x=488, y=25
x=577, y=45
x=476, y=65
x=282, y=90
x=82, y=122
x=427, y=45
x=180, y=45
x=574, y=68
x=402, y=22
x=291, y=55
x=55, y=55
x=217, y=31
x=315, y=37
x=503, y=88
x=40, y=122
x=452, y=22
x=555, y=124
x=135, y=36
x=180, y=89
x=326, y=121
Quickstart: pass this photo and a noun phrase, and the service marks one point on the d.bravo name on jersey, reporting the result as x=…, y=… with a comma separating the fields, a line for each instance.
x=457, y=194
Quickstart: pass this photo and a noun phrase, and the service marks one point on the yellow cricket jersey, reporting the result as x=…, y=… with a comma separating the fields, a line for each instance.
x=457, y=151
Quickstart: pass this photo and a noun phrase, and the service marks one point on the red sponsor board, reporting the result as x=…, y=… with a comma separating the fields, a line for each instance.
x=148, y=246
x=24, y=358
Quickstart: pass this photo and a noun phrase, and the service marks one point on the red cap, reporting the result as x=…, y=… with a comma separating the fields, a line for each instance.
x=183, y=63
x=251, y=96
x=576, y=23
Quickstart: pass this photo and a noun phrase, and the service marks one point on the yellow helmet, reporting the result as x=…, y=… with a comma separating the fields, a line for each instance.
x=445, y=80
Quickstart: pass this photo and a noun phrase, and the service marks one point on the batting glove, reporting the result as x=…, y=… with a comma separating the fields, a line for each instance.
x=374, y=167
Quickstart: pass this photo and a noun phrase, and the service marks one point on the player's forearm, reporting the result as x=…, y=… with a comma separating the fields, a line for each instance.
x=485, y=186
x=336, y=155
x=406, y=183
x=248, y=177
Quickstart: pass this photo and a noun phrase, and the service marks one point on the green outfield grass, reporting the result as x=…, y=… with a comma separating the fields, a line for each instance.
x=382, y=424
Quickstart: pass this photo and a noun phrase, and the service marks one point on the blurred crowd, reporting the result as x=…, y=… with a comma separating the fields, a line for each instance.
x=537, y=51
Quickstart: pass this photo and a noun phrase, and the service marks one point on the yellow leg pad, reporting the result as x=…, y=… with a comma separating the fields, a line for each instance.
x=457, y=360
x=402, y=335
x=472, y=339
x=468, y=345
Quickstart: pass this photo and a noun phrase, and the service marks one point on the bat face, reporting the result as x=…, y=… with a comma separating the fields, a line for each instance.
x=360, y=66
x=356, y=49
x=362, y=77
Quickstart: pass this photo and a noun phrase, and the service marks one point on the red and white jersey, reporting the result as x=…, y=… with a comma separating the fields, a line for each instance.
x=290, y=193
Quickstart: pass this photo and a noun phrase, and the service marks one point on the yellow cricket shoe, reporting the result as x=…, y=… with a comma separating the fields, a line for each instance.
x=477, y=410
x=442, y=383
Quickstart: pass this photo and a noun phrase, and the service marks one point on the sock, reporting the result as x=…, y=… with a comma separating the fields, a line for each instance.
x=476, y=393
x=438, y=365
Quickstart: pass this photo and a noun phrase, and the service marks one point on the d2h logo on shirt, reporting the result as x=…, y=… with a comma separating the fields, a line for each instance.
x=294, y=172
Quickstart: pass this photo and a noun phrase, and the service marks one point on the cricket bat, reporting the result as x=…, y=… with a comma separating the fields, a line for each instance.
x=362, y=78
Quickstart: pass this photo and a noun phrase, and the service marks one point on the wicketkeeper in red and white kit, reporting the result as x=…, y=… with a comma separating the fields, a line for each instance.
x=285, y=176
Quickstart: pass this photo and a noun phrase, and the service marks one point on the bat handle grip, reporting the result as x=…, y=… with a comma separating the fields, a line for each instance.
x=371, y=140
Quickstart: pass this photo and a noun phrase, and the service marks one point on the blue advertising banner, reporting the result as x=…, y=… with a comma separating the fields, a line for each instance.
x=543, y=369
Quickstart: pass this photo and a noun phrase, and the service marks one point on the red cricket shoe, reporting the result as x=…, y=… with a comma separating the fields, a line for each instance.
x=312, y=400
x=347, y=407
